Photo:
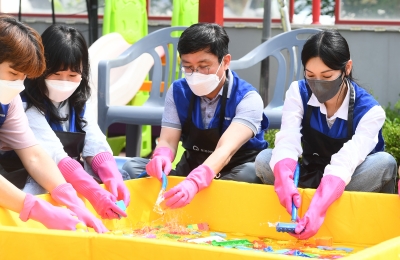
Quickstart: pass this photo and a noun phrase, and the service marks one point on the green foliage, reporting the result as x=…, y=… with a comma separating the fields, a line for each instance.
x=392, y=113
x=270, y=137
x=391, y=131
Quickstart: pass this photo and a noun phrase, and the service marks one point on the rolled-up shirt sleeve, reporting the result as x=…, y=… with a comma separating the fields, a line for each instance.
x=15, y=132
x=249, y=111
x=170, y=116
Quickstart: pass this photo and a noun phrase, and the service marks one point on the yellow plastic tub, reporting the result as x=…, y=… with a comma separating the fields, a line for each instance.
x=362, y=220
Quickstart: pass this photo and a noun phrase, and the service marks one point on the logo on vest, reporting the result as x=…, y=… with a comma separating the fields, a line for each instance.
x=2, y=115
x=195, y=148
x=228, y=118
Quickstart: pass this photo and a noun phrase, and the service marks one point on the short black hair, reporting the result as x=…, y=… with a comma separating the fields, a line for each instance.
x=209, y=37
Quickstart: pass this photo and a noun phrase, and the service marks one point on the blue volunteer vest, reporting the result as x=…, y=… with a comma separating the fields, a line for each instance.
x=56, y=126
x=3, y=113
x=363, y=103
x=182, y=95
x=73, y=139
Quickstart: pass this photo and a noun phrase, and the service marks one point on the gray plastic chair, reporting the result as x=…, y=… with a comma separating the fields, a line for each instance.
x=274, y=47
x=151, y=112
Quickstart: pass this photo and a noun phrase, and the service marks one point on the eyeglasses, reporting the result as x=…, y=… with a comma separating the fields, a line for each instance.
x=189, y=70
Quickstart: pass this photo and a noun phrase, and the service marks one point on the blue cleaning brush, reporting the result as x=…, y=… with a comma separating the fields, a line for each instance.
x=160, y=198
x=290, y=227
x=157, y=208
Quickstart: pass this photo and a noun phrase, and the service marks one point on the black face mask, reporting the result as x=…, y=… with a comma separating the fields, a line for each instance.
x=324, y=89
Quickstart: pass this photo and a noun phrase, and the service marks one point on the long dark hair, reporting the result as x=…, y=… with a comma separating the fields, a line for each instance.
x=331, y=47
x=64, y=48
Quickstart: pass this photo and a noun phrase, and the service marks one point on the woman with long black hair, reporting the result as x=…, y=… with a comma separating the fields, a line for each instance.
x=336, y=126
x=55, y=106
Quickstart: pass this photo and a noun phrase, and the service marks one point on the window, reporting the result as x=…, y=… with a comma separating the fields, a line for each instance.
x=249, y=9
x=64, y=7
x=239, y=9
x=368, y=12
x=160, y=8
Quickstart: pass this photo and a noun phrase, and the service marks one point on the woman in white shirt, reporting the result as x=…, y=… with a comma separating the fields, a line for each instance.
x=55, y=106
x=335, y=126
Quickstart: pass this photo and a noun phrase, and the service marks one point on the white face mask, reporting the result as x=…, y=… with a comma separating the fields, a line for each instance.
x=9, y=90
x=202, y=84
x=60, y=90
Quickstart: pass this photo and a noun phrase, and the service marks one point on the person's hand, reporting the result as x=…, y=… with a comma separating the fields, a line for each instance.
x=64, y=194
x=183, y=193
x=105, y=206
x=284, y=184
x=160, y=162
x=105, y=166
x=50, y=216
x=102, y=200
x=329, y=190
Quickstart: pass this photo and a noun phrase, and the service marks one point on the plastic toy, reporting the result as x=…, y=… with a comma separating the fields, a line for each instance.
x=121, y=204
x=268, y=249
x=324, y=241
x=218, y=234
x=206, y=240
x=233, y=243
x=200, y=226
x=258, y=244
x=81, y=227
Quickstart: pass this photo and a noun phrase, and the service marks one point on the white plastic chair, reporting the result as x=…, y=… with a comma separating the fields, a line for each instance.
x=125, y=81
x=151, y=112
x=288, y=69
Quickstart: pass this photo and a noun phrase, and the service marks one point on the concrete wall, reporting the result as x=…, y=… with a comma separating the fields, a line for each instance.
x=375, y=53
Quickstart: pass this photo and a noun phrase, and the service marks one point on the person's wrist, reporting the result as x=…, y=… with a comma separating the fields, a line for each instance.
x=164, y=152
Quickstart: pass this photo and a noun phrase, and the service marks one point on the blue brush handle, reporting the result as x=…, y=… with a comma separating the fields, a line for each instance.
x=143, y=174
x=164, y=181
x=296, y=182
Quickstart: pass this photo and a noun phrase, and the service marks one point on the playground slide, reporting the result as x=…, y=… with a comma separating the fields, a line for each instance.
x=125, y=81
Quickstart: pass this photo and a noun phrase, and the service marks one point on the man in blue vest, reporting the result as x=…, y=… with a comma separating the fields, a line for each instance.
x=218, y=117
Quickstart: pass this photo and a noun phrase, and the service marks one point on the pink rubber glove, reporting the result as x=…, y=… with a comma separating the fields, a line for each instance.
x=329, y=190
x=102, y=201
x=183, y=193
x=284, y=184
x=105, y=166
x=64, y=194
x=50, y=216
x=161, y=161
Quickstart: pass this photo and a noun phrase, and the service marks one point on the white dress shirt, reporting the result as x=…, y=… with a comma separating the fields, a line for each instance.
x=353, y=152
